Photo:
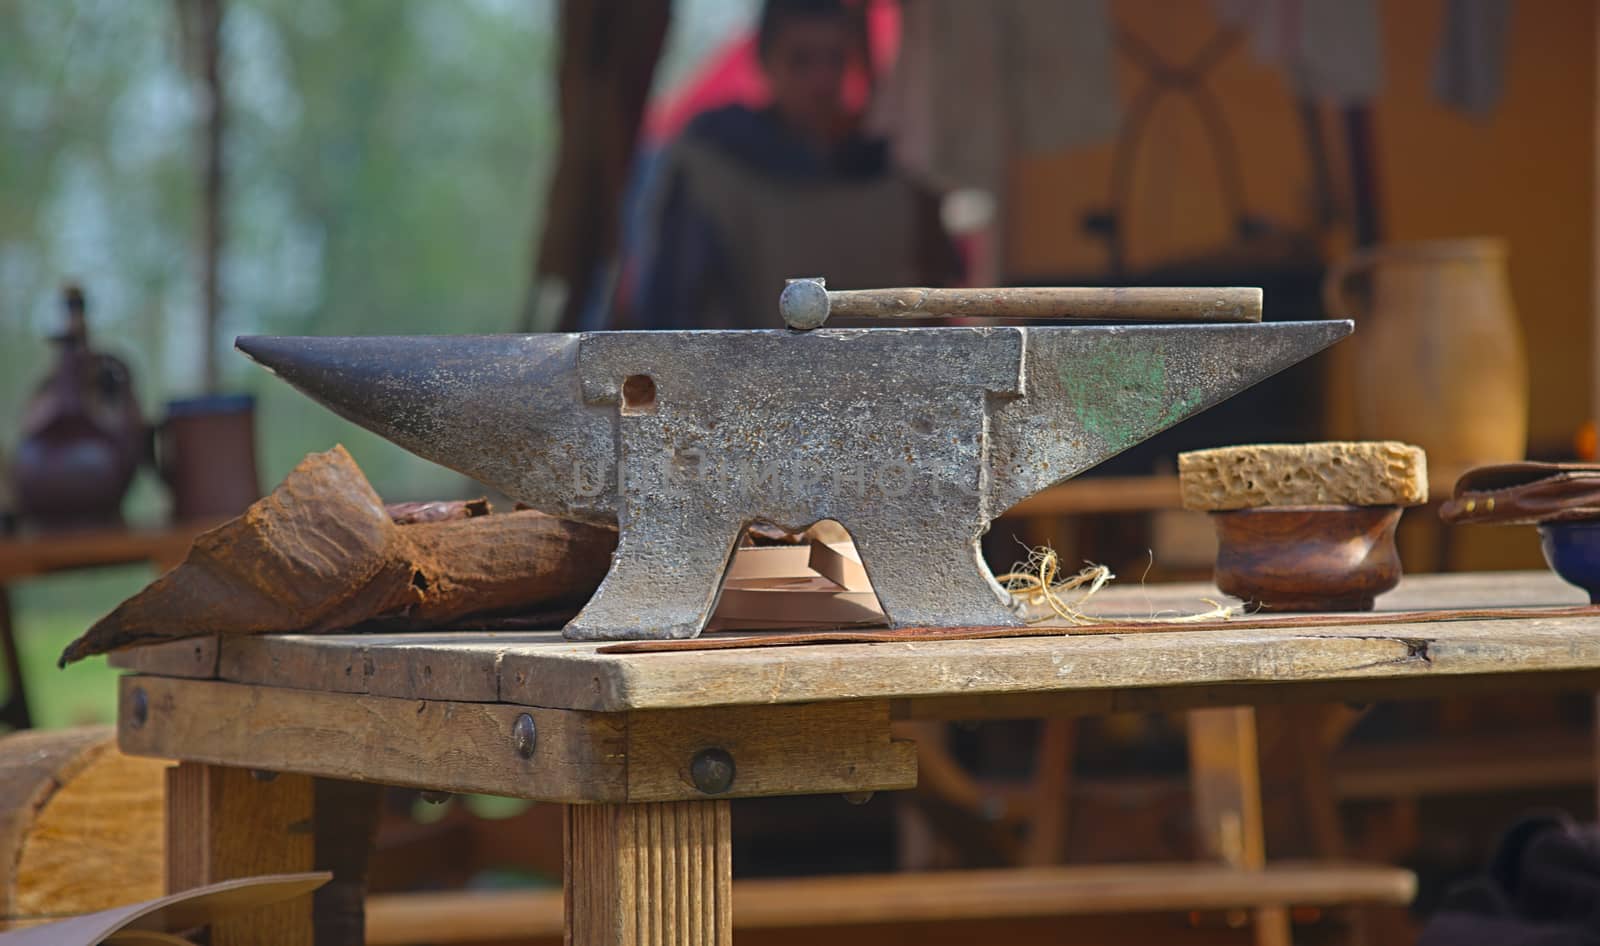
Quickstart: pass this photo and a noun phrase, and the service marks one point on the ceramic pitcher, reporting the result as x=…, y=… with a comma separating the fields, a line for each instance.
x=82, y=436
x=1440, y=360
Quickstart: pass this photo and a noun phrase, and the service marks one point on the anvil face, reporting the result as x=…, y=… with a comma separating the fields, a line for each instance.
x=913, y=438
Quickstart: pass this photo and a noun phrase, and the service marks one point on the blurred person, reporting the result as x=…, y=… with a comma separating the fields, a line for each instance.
x=750, y=196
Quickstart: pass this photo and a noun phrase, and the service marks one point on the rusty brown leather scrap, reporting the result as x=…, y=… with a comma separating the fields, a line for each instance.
x=1521, y=493
x=1251, y=622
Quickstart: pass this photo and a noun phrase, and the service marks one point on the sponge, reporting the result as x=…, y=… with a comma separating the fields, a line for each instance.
x=1375, y=473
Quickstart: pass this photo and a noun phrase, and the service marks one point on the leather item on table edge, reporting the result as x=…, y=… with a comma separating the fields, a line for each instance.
x=1523, y=493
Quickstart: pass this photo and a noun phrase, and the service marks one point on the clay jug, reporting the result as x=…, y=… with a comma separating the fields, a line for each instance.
x=1439, y=354
x=82, y=437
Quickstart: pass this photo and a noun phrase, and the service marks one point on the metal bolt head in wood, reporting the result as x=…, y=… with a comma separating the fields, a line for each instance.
x=712, y=771
x=139, y=710
x=524, y=736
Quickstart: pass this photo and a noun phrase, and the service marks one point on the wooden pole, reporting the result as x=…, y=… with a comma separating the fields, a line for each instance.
x=609, y=50
x=214, y=237
x=200, y=30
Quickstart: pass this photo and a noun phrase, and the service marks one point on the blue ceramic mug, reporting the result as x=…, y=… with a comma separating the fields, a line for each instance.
x=1573, y=551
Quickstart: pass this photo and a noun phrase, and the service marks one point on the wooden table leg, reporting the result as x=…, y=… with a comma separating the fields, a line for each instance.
x=1225, y=776
x=346, y=830
x=647, y=874
x=224, y=823
x=1596, y=727
x=1052, y=783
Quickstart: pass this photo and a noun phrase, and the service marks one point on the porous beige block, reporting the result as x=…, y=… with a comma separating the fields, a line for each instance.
x=1375, y=473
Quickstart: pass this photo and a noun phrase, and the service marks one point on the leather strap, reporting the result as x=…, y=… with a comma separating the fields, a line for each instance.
x=1519, y=493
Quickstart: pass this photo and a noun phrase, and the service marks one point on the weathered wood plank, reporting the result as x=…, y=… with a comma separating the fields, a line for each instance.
x=777, y=750
x=192, y=657
x=446, y=665
x=226, y=823
x=648, y=875
x=463, y=747
x=334, y=664
x=539, y=672
x=539, y=669
x=436, y=667
x=471, y=747
x=1394, y=653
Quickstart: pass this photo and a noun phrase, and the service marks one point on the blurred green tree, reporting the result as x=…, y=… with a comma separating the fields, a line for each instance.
x=385, y=161
x=386, y=168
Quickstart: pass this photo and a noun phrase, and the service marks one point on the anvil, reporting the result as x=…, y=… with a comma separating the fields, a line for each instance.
x=913, y=439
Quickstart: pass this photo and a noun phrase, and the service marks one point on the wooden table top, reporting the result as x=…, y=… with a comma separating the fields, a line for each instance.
x=961, y=679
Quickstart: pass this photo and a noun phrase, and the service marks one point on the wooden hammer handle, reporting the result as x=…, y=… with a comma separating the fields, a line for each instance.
x=1094, y=305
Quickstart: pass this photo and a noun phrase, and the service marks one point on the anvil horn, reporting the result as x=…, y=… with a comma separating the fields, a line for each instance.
x=1093, y=392
x=504, y=410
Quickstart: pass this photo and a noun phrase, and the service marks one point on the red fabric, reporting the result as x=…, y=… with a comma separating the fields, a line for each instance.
x=732, y=75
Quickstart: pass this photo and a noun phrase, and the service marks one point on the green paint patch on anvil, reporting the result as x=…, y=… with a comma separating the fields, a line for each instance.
x=1123, y=396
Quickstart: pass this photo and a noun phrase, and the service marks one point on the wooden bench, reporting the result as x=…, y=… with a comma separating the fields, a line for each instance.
x=853, y=900
x=1409, y=770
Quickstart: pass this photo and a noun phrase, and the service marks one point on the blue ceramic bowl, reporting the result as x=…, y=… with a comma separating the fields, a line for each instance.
x=1573, y=551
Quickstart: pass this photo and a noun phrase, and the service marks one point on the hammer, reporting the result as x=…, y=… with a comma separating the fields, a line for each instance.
x=807, y=304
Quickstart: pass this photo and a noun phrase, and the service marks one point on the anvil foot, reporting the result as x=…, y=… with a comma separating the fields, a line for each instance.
x=663, y=585
x=933, y=580
x=630, y=632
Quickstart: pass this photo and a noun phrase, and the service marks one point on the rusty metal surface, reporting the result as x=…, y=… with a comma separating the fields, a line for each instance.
x=912, y=438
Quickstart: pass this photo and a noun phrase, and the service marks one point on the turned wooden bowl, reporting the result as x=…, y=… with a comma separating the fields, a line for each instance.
x=1308, y=558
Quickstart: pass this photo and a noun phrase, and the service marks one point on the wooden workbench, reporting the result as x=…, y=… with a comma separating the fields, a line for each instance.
x=617, y=737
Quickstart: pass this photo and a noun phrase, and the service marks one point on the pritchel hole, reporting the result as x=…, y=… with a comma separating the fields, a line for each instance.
x=638, y=394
